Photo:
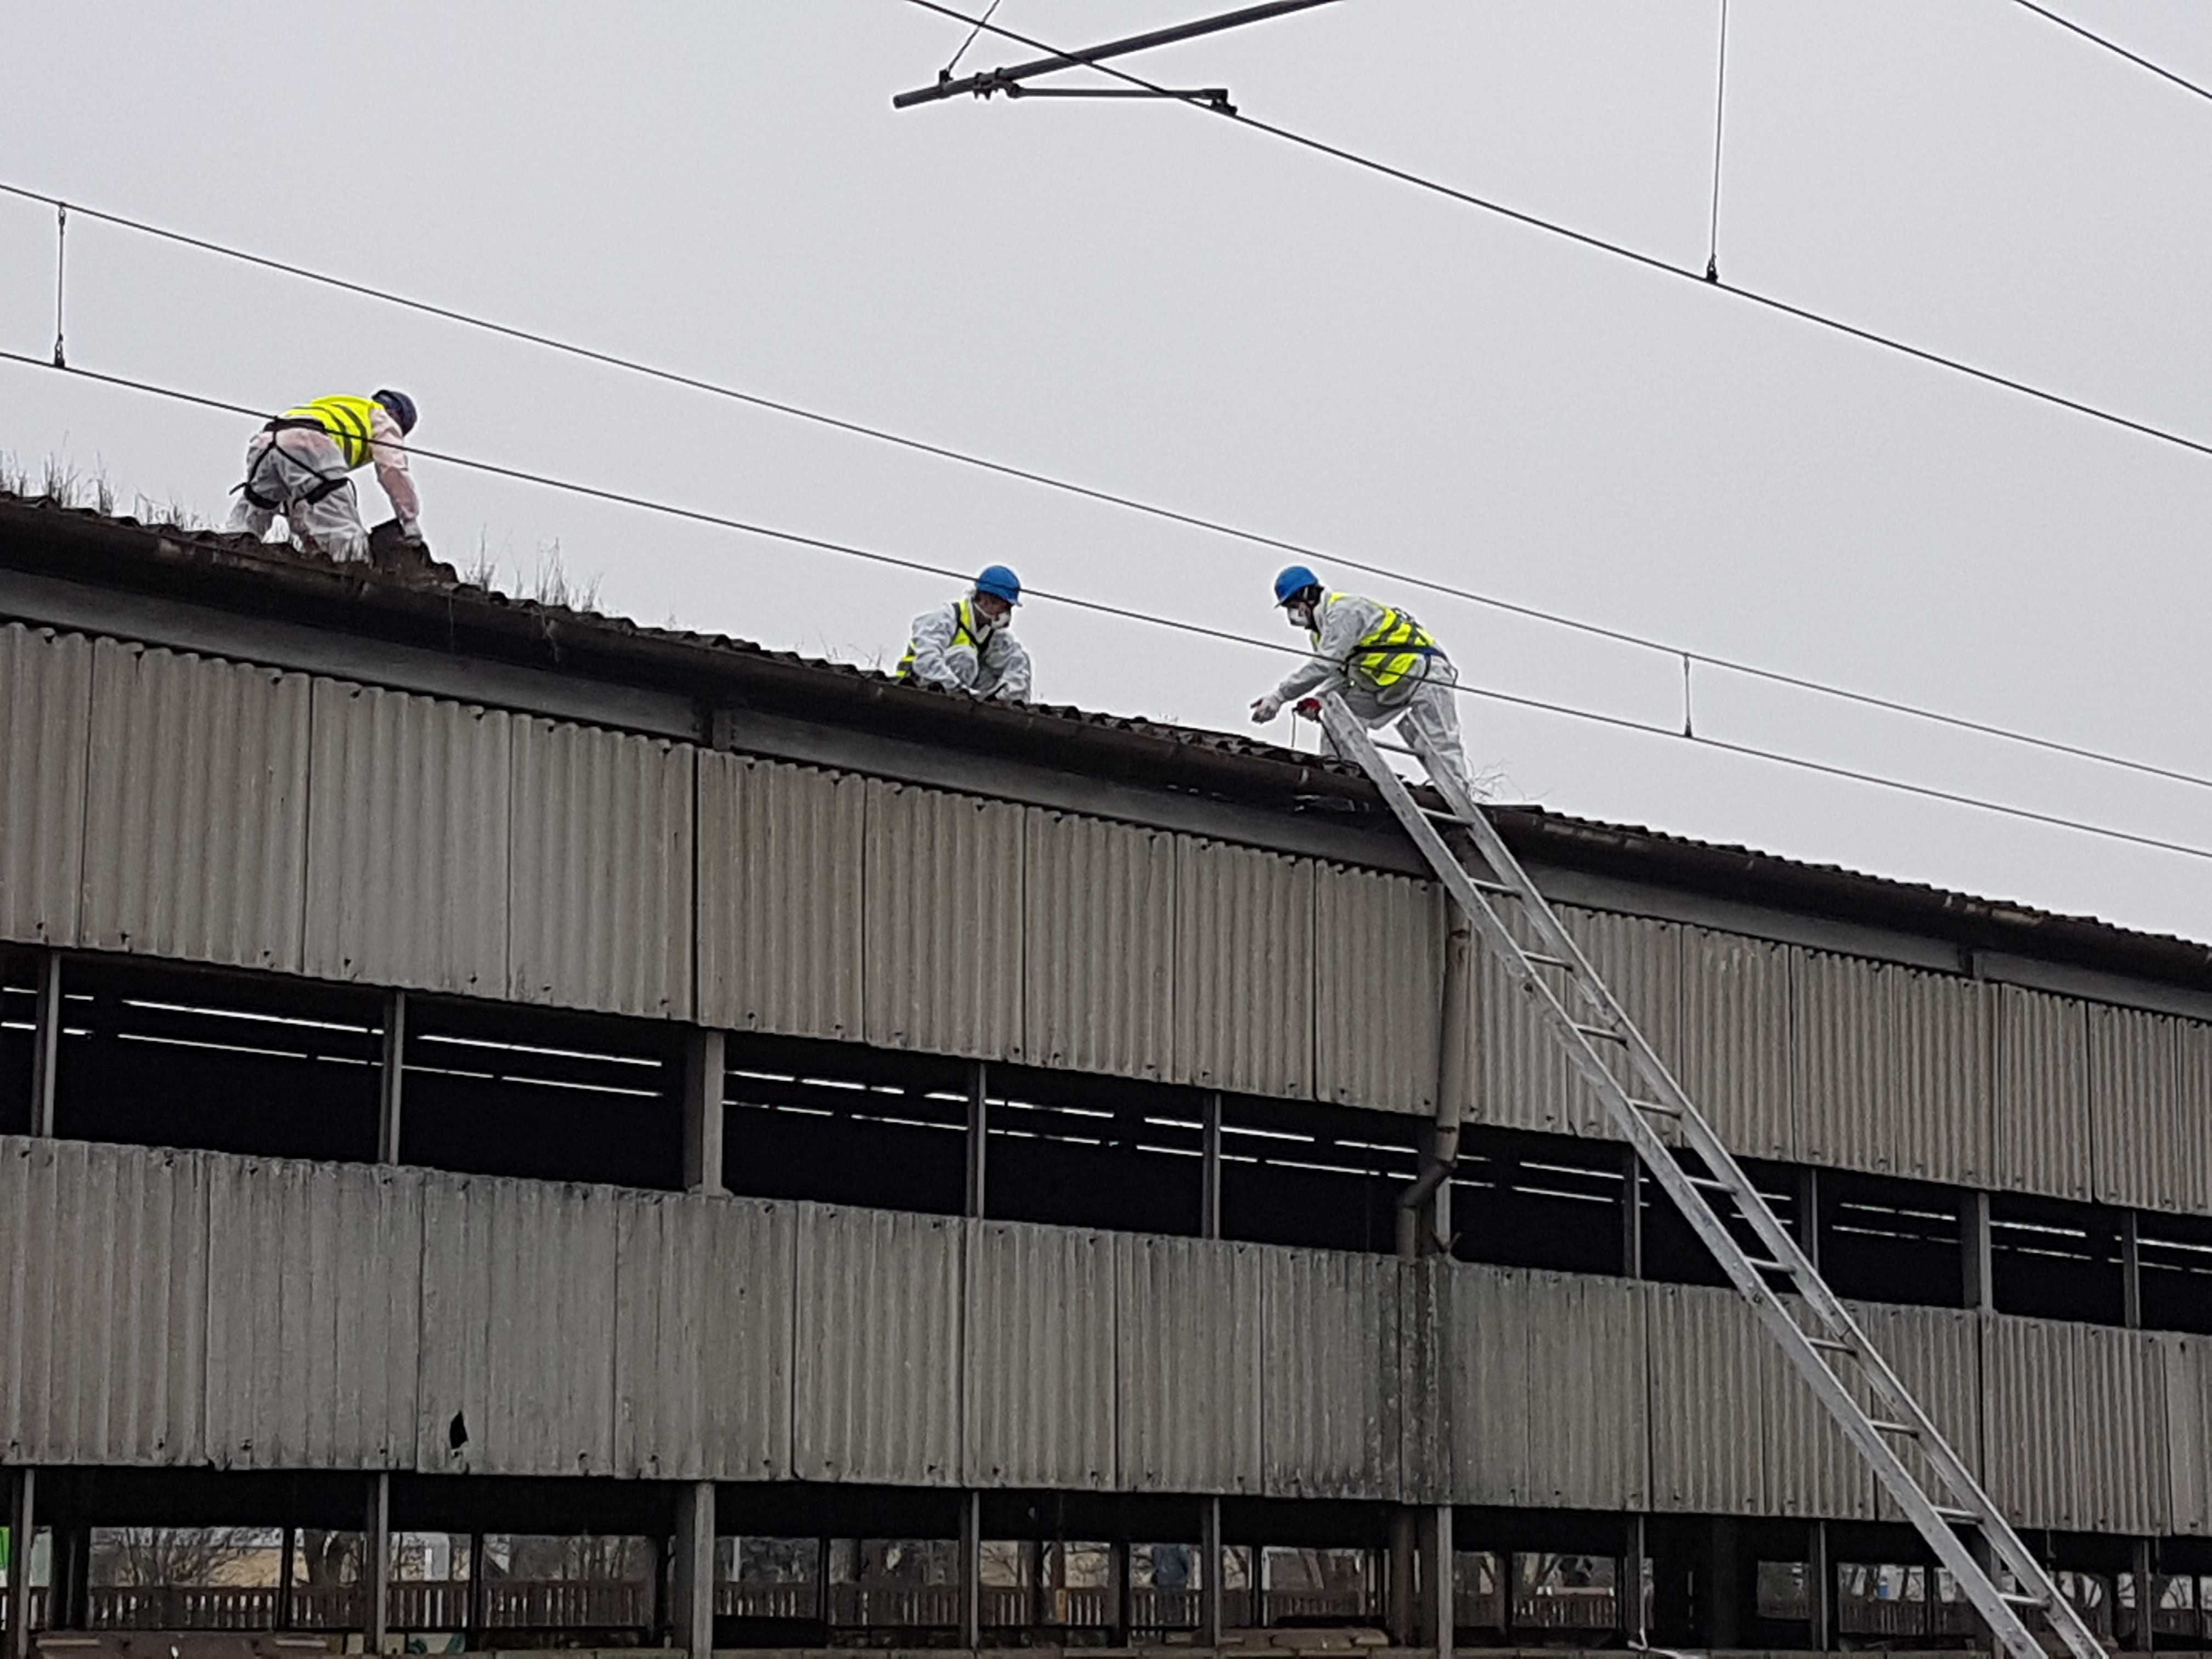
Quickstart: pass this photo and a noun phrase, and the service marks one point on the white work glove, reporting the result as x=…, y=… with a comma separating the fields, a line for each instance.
x=1266, y=708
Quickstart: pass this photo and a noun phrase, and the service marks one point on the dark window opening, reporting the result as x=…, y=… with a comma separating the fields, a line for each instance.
x=496, y=1089
x=837, y=1123
x=19, y=1010
x=1537, y=1201
x=1319, y=1177
x=159, y=1057
x=1674, y=1254
x=2175, y=1254
x=1885, y=1240
x=2053, y=1259
x=1084, y=1152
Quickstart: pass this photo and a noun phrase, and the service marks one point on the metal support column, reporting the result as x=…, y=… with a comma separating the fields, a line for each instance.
x=1808, y=1213
x=1628, y=1593
x=1213, y=1559
x=472, y=1638
x=1439, y=1615
x=1820, y=1587
x=2131, y=1270
x=1123, y=1599
x=2144, y=1570
x=971, y=1568
x=1631, y=1215
x=288, y=1566
x=1974, y=1242
x=1723, y=1570
x=46, y=1043
x=1403, y=1550
x=376, y=1564
x=392, y=1079
x=68, y=1597
x=693, y=1615
x=22, y=1529
x=979, y=1135
x=1209, y=1203
x=702, y=1112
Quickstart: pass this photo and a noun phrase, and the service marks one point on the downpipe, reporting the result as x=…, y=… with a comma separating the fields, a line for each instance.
x=1443, y=1155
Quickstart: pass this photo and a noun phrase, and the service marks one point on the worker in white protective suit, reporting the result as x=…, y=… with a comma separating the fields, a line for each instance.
x=296, y=468
x=968, y=645
x=1384, y=666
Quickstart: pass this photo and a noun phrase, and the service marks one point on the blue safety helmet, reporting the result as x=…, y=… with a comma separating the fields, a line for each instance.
x=402, y=407
x=1000, y=583
x=1294, y=580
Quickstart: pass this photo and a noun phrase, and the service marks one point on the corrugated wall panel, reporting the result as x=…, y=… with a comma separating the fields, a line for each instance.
x=45, y=718
x=1522, y=1077
x=1491, y=1325
x=1811, y=1468
x=407, y=840
x=1590, y=1424
x=2187, y=1361
x=1039, y=1390
x=2137, y=1124
x=2190, y=1180
x=600, y=911
x=1379, y=1000
x=703, y=1328
x=1098, y=992
x=518, y=1328
x=1244, y=969
x=1709, y=1402
x=942, y=902
x=196, y=809
x=2031, y=1372
x=313, y=1316
x=1943, y=1041
x=1846, y=1065
x=1937, y=1353
x=103, y=1304
x=877, y=1369
x=1737, y=1045
x=1188, y=1365
x=2121, y=1416
x=1329, y=1424
x=2041, y=1118
x=779, y=882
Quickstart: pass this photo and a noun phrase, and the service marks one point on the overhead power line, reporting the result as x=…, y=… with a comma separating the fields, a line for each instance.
x=2115, y=49
x=1130, y=503
x=1098, y=607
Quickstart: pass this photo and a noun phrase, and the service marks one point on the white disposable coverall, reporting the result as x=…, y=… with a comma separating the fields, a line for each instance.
x=282, y=466
x=1000, y=669
x=1426, y=710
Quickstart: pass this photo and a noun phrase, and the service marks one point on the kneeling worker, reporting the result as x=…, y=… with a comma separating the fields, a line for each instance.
x=969, y=646
x=297, y=464
x=1385, y=665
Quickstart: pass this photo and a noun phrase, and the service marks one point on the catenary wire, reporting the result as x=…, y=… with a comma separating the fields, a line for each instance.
x=1720, y=110
x=2114, y=47
x=1099, y=607
x=1171, y=515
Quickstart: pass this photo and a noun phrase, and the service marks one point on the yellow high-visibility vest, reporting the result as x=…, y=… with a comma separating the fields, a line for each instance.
x=963, y=633
x=346, y=419
x=1395, y=647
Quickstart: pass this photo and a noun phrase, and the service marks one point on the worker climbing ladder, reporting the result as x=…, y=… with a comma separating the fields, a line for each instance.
x=1649, y=1108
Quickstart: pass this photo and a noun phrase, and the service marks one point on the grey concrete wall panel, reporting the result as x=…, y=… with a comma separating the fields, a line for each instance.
x=1330, y=1419
x=1188, y=1365
x=703, y=1327
x=943, y=914
x=781, y=857
x=1098, y=992
x=2187, y=1363
x=1589, y=1401
x=2041, y=1117
x=313, y=1321
x=1811, y=1468
x=2143, y=1153
x=196, y=809
x=103, y=1304
x=1937, y=1354
x=1245, y=969
x=877, y=1368
x=1737, y=1045
x=45, y=715
x=518, y=1328
x=1039, y=1392
x=1522, y=1077
x=600, y=909
x=1709, y=1401
x=407, y=840
x=1490, y=1327
x=1379, y=1000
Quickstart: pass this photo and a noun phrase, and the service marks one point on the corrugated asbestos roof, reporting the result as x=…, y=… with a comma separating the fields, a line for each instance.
x=238, y=573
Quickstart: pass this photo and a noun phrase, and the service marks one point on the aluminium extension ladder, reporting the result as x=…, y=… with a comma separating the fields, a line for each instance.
x=1646, y=1104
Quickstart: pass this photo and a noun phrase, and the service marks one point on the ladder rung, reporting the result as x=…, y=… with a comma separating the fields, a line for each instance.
x=1764, y=1266
x=1482, y=886
x=1543, y=961
x=1945, y=1512
x=1663, y=1110
x=1443, y=817
x=2021, y=1598
x=1707, y=1180
x=1606, y=1032
x=1881, y=1425
x=1832, y=1346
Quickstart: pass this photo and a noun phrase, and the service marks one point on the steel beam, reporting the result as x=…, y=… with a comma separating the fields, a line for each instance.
x=704, y=1114
x=391, y=1078
x=971, y=1570
x=693, y=1615
x=979, y=1136
x=2131, y=1270
x=46, y=1043
x=22, y=1530
x=1212, y=1567
x=1980, y=1261
x=376, y=1564
x=1209, y=1202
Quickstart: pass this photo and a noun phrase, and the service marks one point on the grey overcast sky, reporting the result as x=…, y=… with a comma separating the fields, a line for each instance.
x=1151, y=300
